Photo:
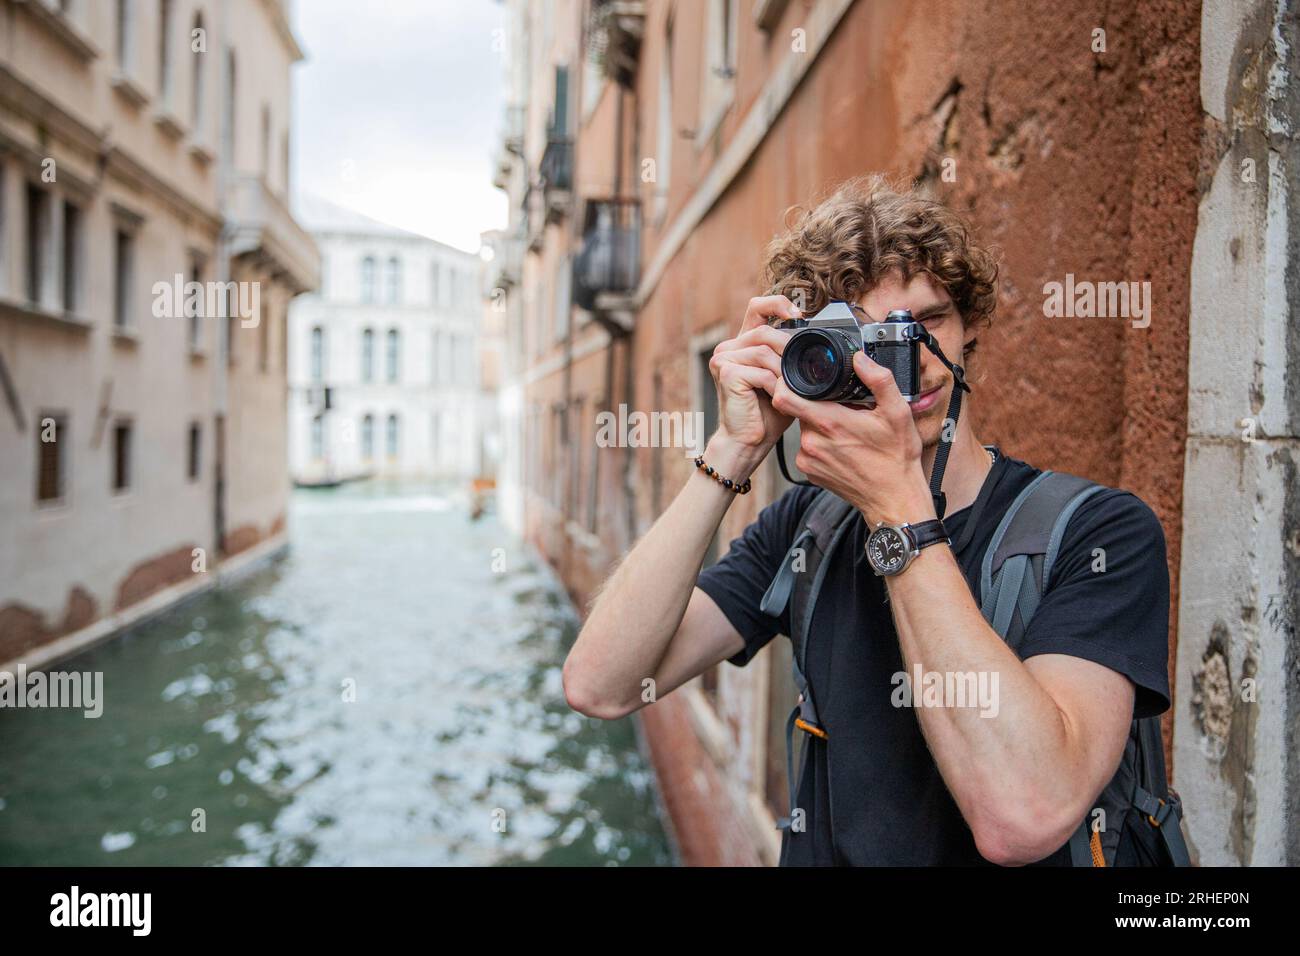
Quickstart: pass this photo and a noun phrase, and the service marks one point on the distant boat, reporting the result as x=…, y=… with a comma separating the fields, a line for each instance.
x=481, y=491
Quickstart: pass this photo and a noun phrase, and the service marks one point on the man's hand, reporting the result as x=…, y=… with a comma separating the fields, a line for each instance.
x=747, y=370
x=869, y=457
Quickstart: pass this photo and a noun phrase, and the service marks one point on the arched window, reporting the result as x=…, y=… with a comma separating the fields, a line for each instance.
x=391, y=441
x=198, y=43
x=368, y=437
x=394, y=280
x=368, y=355
x=317, y=354
x=392, y=354
x=368, y=279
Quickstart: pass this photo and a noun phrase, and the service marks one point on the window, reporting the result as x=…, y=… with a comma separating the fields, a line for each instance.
x=193, y=311
x=445, y=361
x=435, y=276
x=196, y=447
x=391, y=437
x=196, y=85
x=394, y=342
x=368, y=355
x=38, y=232
x=124, y=29
x=368, y=279
x=51, y=460
x=317, y=354
x=123, y=276
x=228, y=137
x=122, y=456
x=165, y=49
x=71, y=256
x=436, y=372
x=368, y=437
x=317, y=438
x=434, y=440
x=560, y=111
x=394, y=280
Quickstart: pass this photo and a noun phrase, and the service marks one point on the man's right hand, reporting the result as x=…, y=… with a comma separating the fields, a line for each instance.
x=746, y=370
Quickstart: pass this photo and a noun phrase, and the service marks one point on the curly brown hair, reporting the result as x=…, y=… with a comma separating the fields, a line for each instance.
x=864, y=230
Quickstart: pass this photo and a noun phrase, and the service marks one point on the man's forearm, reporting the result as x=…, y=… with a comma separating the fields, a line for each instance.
x=1016, y=760
x=641, y=605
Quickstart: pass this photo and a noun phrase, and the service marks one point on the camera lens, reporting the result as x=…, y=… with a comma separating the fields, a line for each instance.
x=818, y=364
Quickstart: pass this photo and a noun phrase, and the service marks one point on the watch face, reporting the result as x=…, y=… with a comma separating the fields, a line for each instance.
x=887, y=550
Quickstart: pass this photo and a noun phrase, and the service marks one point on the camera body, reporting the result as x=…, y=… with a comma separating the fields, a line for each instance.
x=817, y=362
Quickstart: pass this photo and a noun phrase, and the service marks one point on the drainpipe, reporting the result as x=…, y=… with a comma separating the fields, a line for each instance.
x=629, y=392
x=221, y=378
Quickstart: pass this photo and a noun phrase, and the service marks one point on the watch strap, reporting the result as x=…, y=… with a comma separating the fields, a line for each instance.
x=926, y=533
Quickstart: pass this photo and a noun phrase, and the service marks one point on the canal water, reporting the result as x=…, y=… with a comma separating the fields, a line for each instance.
x=387, y=694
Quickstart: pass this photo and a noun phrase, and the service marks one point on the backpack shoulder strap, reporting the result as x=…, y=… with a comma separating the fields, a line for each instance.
x=797, y=583
x=1017, y=565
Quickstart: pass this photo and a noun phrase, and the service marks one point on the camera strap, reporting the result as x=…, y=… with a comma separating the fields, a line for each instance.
x=948, y=433
x=946, y=436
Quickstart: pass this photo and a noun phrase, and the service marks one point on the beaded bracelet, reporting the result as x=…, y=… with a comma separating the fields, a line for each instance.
x=740, y=489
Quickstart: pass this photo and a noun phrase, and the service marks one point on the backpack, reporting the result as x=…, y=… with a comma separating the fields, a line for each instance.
x=1140, y=821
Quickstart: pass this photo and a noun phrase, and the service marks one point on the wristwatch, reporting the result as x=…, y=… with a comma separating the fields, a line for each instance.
x=892, y=547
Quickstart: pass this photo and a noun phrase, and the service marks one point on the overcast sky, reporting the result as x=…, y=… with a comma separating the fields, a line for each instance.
x=397, y=110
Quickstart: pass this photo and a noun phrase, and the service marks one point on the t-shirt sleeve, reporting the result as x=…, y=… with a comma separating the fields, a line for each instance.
x=737, y=582
x=1108, y=597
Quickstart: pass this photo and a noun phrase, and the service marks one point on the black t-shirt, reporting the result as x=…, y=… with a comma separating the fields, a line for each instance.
x=875, y=777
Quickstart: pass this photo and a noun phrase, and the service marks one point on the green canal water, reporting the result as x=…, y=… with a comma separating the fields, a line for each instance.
x=387, y=694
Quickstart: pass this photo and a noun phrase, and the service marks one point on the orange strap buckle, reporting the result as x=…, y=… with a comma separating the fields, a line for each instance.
x=810, y=728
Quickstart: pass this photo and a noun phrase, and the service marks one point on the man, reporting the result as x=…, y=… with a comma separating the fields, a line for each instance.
x=890, y=784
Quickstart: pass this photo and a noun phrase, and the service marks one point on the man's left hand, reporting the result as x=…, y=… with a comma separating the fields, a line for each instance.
x=870, y=457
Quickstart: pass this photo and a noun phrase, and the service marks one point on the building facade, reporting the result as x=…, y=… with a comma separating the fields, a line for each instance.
x=383, y=359
x=147, y=261
x=651, y=150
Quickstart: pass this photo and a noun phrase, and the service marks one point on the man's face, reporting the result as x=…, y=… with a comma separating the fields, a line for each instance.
x=930, y=305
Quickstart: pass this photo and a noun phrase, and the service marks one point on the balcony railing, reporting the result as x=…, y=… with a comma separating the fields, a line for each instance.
x=608, y=266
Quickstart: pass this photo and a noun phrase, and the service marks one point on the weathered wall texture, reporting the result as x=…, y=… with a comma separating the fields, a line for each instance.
x=1236, y=722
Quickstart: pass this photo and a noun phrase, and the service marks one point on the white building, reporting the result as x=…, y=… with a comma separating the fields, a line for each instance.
x=383, y=359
